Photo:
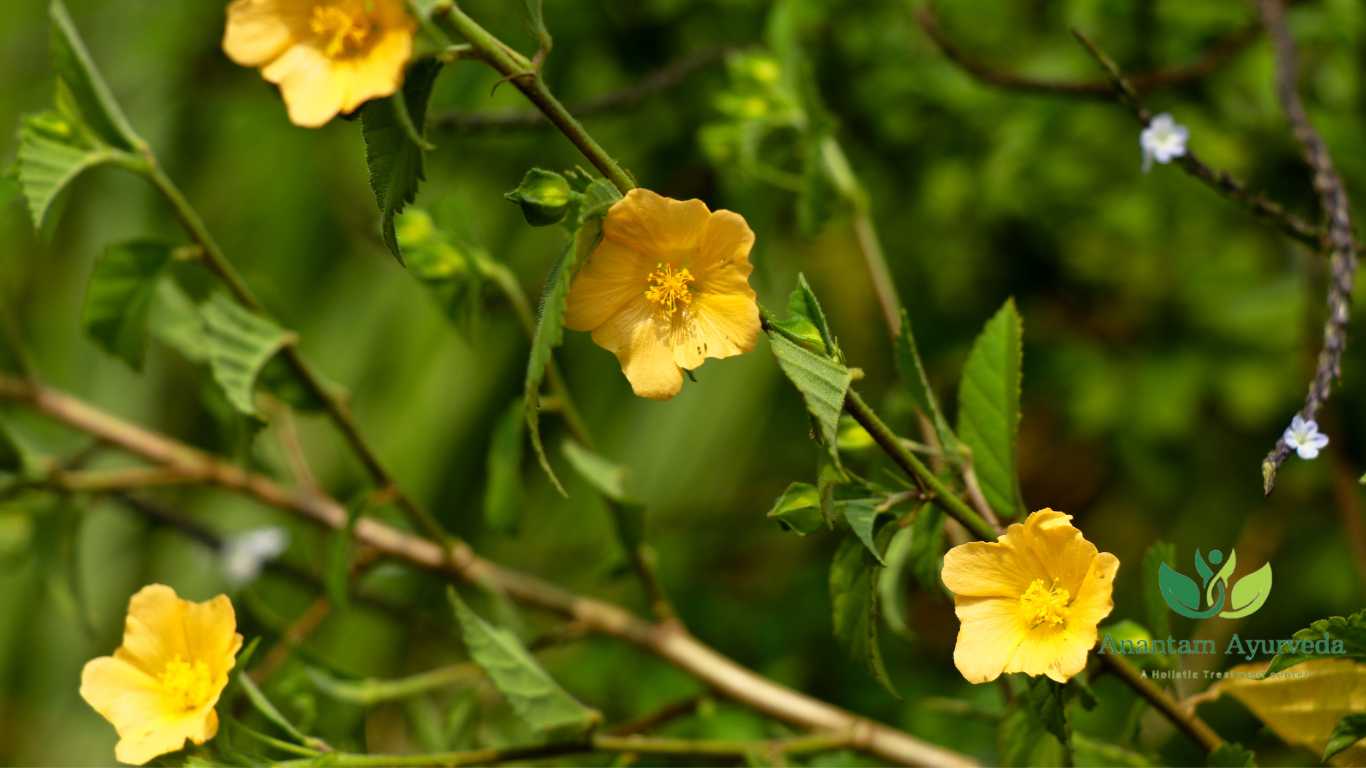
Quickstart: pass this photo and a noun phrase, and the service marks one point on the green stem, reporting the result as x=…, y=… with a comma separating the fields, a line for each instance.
x=629, y=745
x=374, y=691
x=899, y=453
x=524, y=75
x=337, y=410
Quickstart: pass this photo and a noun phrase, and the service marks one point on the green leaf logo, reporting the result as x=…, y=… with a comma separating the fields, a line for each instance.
x=1249, y=593
x=1183, y=595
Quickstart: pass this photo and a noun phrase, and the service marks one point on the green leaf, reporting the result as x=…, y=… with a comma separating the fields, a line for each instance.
x=854, y=608
x=1350, y=630
x=861, y=514
x=81, y=81
x=927, y=545
x=53, y=151
x=798, y=509
x=989, y=409
x=1231, y=755
x=535, y=20
x=240, y=343
x=912, y=372
x=268, y=709
x=1248, y=593
x=545, y=197
x=503, y=485
x=1048, y=701
x=891, y=583
x=1024, y=741
x=534, y=696
x=394, y=159
x=550, y=327
x=175, y=321
x=119, y=297
x=1349, y=730
x=609, y=479
x=822, y=382
x=1155, y=609
x=806, y=323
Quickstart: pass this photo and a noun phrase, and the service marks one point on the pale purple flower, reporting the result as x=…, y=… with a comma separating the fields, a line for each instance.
x=1162, y=140
x=1304, y=437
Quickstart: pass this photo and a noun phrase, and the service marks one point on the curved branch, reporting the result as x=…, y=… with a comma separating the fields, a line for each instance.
x=667, y=641
x=1213, y=57
x=1257, y=204
x=1340, y=241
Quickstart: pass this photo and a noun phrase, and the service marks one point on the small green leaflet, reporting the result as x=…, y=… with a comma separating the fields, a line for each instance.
x=861, y=514
x=119, y=297
x=1351, y=630
x=503, y=471
x=822, y=382
x=1231, y=755
x=175, y=322
x=609, y=479
x=394, y=159
x=1349, y=730
x=912, y=372
x=806, y=323
x=854, y=609
x=989, y=409
x=240, y=343
x=536, y=698
x=798, y=509
x=550, y=321
x=81, y=81
x=53, y=151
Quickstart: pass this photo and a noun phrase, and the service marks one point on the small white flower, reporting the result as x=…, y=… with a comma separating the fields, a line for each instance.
x=1163, y=140
x=1304, y=437
x=244, y=554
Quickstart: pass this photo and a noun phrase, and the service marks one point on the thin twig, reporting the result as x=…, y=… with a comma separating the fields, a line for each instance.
x=662, y=716
x=1259, y=205
x=659, y=81
x=1341, y=243
x=673, y=644
x=1213, y=57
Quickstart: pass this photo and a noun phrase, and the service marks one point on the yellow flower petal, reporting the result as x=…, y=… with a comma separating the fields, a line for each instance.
x=260, y=30
x=613, y=276
x=644, y=351
x=160, y=687
x=989, y=633
x=659, y=227
x=1030, y=601
x=666, y=288
x=379, y=74
x=311, y=93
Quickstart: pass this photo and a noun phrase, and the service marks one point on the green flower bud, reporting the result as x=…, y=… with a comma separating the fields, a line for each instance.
x=544, y=197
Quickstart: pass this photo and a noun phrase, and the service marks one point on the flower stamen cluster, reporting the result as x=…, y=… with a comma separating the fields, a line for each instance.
x=668, y=289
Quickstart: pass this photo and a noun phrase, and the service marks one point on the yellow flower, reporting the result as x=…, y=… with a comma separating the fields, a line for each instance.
x=160, y=687
x=666, y=288
x=327, y=56
x=1030, y=601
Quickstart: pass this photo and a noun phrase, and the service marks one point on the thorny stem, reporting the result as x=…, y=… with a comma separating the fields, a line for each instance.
x=524, y=75
x=1212, y=58
x=671, y=643
x=1220, y=181
x=337, y=410
x=1341, y=244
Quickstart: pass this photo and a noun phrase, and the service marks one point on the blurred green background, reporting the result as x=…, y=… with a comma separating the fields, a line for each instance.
x=1168, y=339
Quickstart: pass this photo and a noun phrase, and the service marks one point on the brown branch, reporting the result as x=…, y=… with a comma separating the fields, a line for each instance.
x=1220, y=181
x=669, y=642
x=1217, y=54
x=660, y=80
x=662, y=716
x=1341, y=243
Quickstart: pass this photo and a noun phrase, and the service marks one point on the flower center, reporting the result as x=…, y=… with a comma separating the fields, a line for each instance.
x=668, y=289
x=343, y=26
x=186, y=685
x=1044, y=605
